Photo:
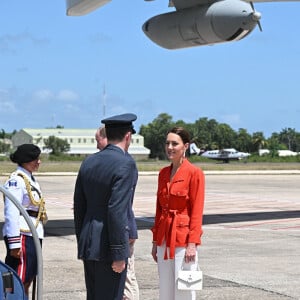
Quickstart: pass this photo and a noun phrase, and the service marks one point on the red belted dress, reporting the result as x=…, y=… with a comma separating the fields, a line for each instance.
x=179, y=207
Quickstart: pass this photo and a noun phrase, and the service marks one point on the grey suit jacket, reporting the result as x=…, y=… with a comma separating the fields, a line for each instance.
x=103, y=205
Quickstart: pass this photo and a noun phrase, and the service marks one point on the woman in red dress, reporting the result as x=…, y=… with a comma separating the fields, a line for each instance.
x=178, y=220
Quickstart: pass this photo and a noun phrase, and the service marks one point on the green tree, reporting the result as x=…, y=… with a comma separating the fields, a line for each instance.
x=201, y=134
x=297, y=142
x=243, y=140
x=155, y=134
x=258, y=141
x=6, y=135
x=4, y=148
x=195, y=132
x=209, y=134
x=224, y=137
x=2, y=134
x=288, y=137
x=56, y=145
x=211, y=129
x=274, y=144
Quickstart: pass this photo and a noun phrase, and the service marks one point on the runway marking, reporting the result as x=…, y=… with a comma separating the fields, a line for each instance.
x=265, y=222
x=58, y=203
x=255, y=226
x=289, y=227
x=205, y=227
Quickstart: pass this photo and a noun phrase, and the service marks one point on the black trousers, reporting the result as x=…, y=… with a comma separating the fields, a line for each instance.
x=101, y=282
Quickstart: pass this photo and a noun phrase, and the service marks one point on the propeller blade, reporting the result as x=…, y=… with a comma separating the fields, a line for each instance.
x=256, y=16
x=259, y=26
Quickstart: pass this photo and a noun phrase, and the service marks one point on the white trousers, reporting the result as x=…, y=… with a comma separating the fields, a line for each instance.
x=168, y=273
x=131, y=290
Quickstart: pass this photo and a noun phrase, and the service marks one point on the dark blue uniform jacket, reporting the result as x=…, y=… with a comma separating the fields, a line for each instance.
x=103, y=197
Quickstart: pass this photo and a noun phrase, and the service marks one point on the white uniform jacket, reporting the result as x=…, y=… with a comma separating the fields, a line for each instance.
x=15, y=224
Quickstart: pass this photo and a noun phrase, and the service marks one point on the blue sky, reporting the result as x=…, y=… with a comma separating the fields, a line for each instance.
x=54, y=68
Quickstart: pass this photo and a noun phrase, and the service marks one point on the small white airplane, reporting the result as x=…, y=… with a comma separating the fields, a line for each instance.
x=193, y=23
x=225, y=154
x=194, y=150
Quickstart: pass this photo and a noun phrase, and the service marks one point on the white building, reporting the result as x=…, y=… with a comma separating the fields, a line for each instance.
x=287, y=153
x=262, y=152
x=81, y=141
x=281, y=153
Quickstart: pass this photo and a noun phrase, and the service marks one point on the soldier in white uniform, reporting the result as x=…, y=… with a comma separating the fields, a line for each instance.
x=21, y=253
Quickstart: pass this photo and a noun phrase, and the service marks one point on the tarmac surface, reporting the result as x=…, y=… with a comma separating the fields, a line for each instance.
x=250, y=244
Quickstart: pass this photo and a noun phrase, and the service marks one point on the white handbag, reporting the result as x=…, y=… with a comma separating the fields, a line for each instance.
x=190, y=280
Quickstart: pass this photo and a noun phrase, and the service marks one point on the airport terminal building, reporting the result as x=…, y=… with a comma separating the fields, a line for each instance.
x=81, y=141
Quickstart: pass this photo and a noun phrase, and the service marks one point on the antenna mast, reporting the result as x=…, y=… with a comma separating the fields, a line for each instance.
x=104, y=101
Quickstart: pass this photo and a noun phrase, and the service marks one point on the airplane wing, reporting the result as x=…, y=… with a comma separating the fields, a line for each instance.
x=182, y=4
x=83, y=7
x=194, y=23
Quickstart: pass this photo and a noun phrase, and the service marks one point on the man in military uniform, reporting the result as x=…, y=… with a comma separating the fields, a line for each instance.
x=102, y=211
x=131, y=290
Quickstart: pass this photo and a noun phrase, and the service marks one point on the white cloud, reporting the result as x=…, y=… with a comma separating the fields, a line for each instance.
x=43, y=95
x=69, y=108
x=9, y=43
x=63, y=95
x=67, y=95
x=6, y=104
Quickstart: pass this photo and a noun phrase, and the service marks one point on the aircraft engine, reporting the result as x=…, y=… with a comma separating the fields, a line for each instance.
x=221, y=21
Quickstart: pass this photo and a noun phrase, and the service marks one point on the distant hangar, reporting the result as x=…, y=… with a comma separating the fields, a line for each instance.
x=81, y=141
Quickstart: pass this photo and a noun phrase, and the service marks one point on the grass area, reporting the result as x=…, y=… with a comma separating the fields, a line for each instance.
x=73, y=166
x=46, y=166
